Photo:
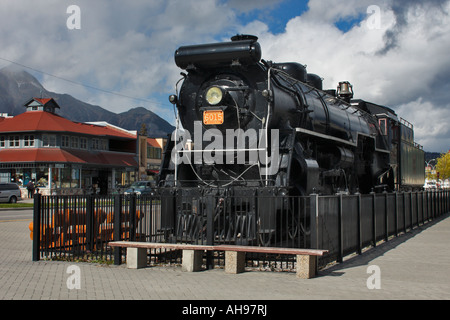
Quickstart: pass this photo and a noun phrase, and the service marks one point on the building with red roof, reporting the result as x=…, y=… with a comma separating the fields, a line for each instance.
x=63, y=156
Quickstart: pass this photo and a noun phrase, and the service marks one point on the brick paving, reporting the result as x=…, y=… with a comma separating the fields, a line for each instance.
x=412, y=266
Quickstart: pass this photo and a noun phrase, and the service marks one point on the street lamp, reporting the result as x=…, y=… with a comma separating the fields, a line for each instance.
x=429, y=172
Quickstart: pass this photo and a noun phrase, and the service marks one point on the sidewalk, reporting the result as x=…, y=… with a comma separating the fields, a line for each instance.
x=412, y=266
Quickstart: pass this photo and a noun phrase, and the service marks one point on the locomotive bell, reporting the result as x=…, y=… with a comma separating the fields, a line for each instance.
x=345, y=90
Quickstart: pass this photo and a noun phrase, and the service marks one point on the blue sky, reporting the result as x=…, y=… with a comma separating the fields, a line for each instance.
x=125, y=48
x=277, y=15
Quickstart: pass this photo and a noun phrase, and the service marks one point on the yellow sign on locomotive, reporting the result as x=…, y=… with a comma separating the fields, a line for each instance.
x=213, y=117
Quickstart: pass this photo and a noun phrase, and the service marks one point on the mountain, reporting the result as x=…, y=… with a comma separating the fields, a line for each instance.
x=18, y=86
x=432, y=155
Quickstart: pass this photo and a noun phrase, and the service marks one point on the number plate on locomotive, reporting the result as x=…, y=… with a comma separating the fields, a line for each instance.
x=213, y=117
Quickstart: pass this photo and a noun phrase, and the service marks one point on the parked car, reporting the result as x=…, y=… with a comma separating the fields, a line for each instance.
x=430, y=185
x=10, y=192
x=140, y=188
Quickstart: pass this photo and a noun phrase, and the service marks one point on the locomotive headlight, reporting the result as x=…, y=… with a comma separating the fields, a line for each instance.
x=214, y=95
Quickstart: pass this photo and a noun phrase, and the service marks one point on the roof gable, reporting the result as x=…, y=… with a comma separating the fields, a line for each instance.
x=41, y=121
x=42, y=102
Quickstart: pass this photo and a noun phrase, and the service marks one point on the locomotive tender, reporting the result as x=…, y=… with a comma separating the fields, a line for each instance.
x=247, y=126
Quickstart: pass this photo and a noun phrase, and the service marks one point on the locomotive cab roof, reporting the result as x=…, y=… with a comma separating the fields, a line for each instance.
x=374, y=108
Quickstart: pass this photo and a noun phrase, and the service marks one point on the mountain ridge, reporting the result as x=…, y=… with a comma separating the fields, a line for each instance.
x=17, y=87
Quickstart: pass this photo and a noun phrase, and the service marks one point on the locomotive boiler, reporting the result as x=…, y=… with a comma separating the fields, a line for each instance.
x=258, y=129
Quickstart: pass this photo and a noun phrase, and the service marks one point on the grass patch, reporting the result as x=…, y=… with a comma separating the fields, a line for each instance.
x=16, y=205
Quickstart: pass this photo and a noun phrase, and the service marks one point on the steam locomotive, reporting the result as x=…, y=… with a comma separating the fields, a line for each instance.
x=246, y=126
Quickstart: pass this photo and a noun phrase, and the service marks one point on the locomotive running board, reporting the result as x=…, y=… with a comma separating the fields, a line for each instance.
x=328, y=137
x=324, y=136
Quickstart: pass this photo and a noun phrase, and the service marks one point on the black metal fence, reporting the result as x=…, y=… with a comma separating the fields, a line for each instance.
x=347, y=224
x=79, y=227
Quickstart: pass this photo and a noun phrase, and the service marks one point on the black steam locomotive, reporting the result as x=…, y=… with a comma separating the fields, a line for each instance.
x=247, y=126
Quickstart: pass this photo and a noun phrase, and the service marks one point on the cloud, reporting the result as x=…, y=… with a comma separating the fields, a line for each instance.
x=431, y=124
x=121, y=47
x=250, y=5
x=403, y=64
x=128, y=47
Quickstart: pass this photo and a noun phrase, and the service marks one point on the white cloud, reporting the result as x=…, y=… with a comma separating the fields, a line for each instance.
x=124, y=47
x=128, y=47
x=431, y=128
x=396, y=65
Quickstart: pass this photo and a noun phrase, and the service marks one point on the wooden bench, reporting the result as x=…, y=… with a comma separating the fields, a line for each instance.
x=234, y=255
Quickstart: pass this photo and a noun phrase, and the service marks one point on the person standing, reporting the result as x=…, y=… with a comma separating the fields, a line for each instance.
x=30, y=188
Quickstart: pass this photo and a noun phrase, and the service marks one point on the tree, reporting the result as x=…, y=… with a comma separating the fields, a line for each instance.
x=443, y=166
x=143, y=130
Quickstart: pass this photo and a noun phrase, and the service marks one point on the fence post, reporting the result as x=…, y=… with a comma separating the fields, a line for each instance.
x=386, y=216
x=36, y=226
x=433, y=201
x=90, y=222
x=117, y=225
x=374, y=219
x=210, y=212
x=359, y=223
x=396, y=214
x=209, y=219
x=417, y=207
x=404, y=211
x=340, y=231
x=411, y=209
x=314, y=220
x=132, y=217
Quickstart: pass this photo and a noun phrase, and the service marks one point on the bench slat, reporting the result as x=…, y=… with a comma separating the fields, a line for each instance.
x=176, y=246
x=152, y=245
x=275, y=250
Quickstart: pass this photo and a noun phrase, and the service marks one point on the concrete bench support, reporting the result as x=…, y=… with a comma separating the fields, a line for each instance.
x=234, y=256
x=136, y=258
x=306, y=266
x=234, y=262
x=192, y=260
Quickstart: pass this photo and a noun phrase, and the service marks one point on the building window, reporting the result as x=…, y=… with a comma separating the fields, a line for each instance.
x=74, y=142
x=49, y=140
x=94, y=144
x=28, y=141
x=65, y=141
x=2, y=142
x=83, y=143
x=99, y=144
x=104, y=144
x=14, y=141
x=154, y=153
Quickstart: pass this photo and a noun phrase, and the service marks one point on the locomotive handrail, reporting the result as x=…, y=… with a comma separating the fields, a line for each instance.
x=209, y=185
x=219, y=150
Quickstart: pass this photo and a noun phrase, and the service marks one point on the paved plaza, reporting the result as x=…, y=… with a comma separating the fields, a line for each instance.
x=412, y=266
